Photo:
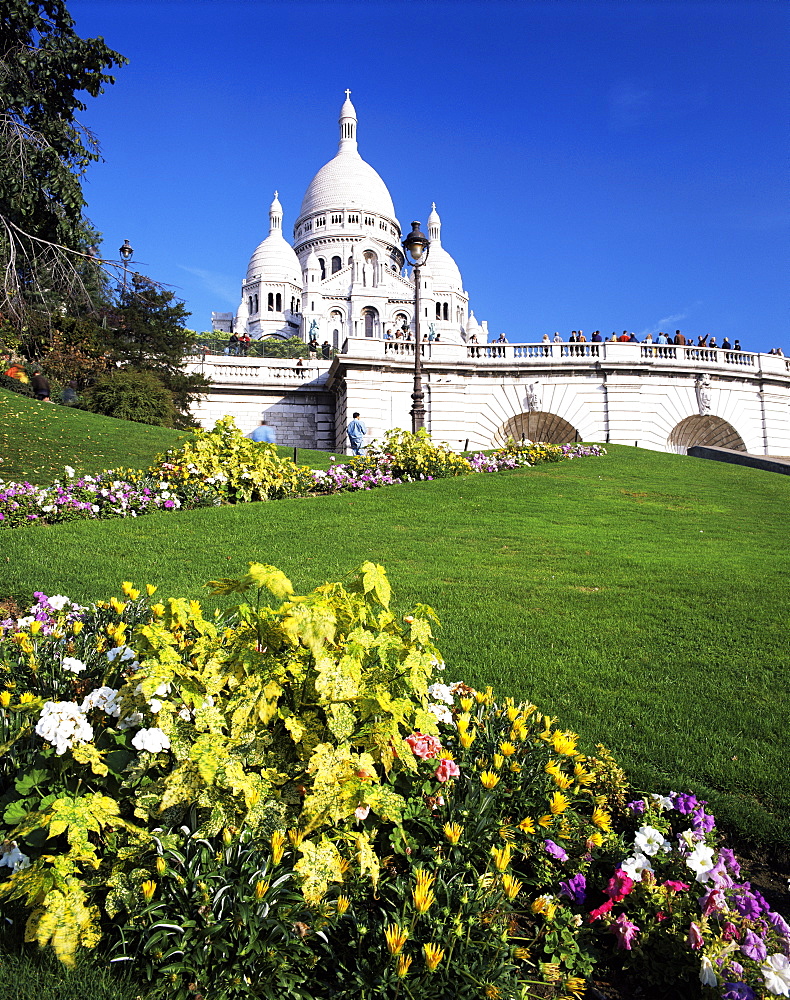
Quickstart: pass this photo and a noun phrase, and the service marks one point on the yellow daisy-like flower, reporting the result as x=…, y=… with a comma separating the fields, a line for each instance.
x=576, y=986
x=507, y=749
x=515, y=767
x=261, y=888
x=396, y=938
x=466, y=738
x=521, y=954
x=564, y=743
x=26, y=697
x=499, y=760
x=5, y=699
x=343, y=903
x=541, y=904
x=423, y=894
x=594, y=840
x=404, y=964
x=295, y=836
x=546, y=821
x=501, y=857
x=558, y=803
x=602, y=819
x=489, y=779
x=278, y=846
x=493, y=992
x=148, y=889
x=551, y=972
x=150, y=589
x=511, y=885
x=519, y=731
x=452, y=832
x=527, y=825
x=563, y=782
x=158, y=610
x=582, y=775
x=462, y=722
x=161, y=865
x=433, y=955
x=513, y=713
x=35, y=627
x=117, y=605
x=466, y=703
x=77, y=627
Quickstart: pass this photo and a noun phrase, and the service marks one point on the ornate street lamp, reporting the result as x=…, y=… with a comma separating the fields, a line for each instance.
x=416, y=247
x=126, y=252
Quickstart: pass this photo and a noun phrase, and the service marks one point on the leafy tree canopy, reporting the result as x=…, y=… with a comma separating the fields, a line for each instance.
x=45, y=71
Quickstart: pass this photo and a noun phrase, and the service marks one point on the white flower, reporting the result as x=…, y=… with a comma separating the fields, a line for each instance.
x=776, y=972
x=131, y=720
x=706, y=974
x=63, y=723
x=162, y=690
x=58, y=602
x=662, y=801
x=12, y=857
x=648, y=840
x=152, y=740
x=105, y=698
x=442, y=713
x=73, y=664
x=155, y=704
x=124, y=652
x=25, y=622
x=437, y=664
x=69, y=471
x=701, y=861
x=95, y=508
x=635, y=865
x=185, y=714
x=441, y=692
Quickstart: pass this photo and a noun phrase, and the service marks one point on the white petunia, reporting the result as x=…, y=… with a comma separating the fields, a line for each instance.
x=442, y=713
x=635, y=865
x=776, y=972
x=648, y=840
x=441, y=692
x=131, y=720
x=152, y=740
x=662, y=801
x=63, y=724
x=69, y=471
x=12, y=857
x=72, y=664
x=701, y=861
x=707, y=975
x=155, y=704
x=25, y=622
x=122, y=652
x=58, y=602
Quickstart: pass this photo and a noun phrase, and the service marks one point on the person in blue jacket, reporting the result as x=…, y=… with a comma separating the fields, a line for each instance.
x=356, y=435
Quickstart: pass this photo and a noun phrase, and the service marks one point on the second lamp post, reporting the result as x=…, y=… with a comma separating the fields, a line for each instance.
x=416, y=247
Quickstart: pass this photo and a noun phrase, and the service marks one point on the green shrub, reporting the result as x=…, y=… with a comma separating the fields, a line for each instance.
x=132, y=395
x=411, y=456
x=14, y=385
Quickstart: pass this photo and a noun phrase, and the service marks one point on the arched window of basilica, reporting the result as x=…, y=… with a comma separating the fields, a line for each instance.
x=322, y=265
x=370, y=316
x=438, y=310
x=270, y=302
x=446, y=309
x=279, y=307
x=337, y=263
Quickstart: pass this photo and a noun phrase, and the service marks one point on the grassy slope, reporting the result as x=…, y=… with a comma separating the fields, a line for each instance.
x=38, y=439
x=640, y=597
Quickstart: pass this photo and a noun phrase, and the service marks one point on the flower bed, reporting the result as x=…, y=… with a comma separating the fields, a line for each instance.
x=289, y=799
x=223, y=466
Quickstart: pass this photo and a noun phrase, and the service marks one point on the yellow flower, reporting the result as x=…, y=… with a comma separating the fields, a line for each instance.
x=499, y=760
x=452, y=832
x=594, y=840
x=433, y=955
x=553, y=768
x=26, y=698
x=507, y=749
x=396, y=938
x=501, y=857
x=582, y=775
x=558, y=803
x=513, y=713
x=343, y=904
x=564, y=743
x=576, y=986
x=521, y=954
x=129, y=590
x=541, y=904
x=150, y=589
x=161, y=865
x=467, y=738
x=551, y=972
x=527, y=825
x=5, y=699
x=296, y=837
x=462, y=722
x=261, y=888
x=76, y=627
x=278, y=846
x=422, y=893
x=404, y=962
x=466, y=703
x=148, y=889
x=117, y=605
x=546, y=821
x=511, y=885
x=158, y=609
x=493, y=992
x=602, y=819
x=35, y=627
x=489, y=779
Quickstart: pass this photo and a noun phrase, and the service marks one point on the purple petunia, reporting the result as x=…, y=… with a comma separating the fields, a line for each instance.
x=685, y=802
x=555, y=850
x=637, y=806
x=737, y=991
x=753, y=947
x=575, y=888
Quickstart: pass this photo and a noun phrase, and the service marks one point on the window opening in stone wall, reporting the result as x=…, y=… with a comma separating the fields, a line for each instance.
x=270, y=302
x=337, y=219
x=322, y=265
x=337, y=263
x=438, y=310
x=353, y=218
x=255, y=302
x=279, y=302
x=446, y=311
x=368, y=220
x=321, y=221
x=369, y=315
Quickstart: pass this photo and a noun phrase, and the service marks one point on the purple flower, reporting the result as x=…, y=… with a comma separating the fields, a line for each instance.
x=702, y=822
x=625, y=931
x=748, y=903
x=555, y=850
x=779, y=923
x=754, y=947
x=575, y=888
x=636, y=806
x=737, y=991
x=685, y=802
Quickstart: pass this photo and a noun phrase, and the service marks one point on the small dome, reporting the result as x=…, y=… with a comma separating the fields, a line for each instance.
x=446, y=276
x=274, y=260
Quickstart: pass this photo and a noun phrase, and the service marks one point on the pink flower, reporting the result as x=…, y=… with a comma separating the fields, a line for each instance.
x=620, y=884
x=424, y=746
x=599, y=911
x=625, y=931
x=447, y=769
x=675, y=886
x=361, y=812
x=695, y=938
x=713, y=900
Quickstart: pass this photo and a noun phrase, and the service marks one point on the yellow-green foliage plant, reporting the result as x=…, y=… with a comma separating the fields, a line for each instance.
x=413, y=456
x=239, y=468
x=122, y=719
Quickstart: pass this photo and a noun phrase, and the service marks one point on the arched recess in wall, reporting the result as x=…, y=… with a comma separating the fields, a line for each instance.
x=539, y=426
x=708, y=430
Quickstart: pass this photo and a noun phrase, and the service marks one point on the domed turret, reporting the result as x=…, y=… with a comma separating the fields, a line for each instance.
x=274, y=259
x=446, y=276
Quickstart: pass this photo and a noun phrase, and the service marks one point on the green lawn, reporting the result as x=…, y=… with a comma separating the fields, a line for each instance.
x=640, y=597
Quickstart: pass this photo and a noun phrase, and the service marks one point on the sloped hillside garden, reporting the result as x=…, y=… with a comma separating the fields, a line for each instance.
x=297, y=798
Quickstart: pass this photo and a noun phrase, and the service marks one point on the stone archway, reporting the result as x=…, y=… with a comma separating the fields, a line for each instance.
x=538, y=426
x=704, y=430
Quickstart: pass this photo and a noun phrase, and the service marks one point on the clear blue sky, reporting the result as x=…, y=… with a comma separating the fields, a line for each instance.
x=595, y=165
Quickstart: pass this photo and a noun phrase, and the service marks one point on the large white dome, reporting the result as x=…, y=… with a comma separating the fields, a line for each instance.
x=347, y=181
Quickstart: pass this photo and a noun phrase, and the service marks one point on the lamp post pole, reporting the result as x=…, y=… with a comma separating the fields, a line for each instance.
x=416, y=247
x=126, y=252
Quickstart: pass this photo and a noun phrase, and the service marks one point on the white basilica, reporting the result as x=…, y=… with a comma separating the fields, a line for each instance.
x=344, y=276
